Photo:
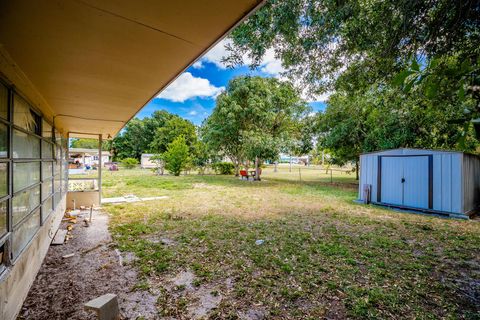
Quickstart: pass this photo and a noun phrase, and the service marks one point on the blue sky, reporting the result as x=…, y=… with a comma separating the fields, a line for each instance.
x=192, y=95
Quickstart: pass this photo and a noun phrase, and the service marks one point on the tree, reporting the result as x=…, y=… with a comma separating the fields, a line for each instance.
x=253, y=118
x=361, y=41
x=87, y=143
x=222, y=129
x=386, y=118
x=130, y=163
x=260, y=145
x=354, y=46
x=343, y=128
x=138, y=134
x=177, y=156
x=159, y=163
x=173, y=128
x=201, y=156
x=447, y=80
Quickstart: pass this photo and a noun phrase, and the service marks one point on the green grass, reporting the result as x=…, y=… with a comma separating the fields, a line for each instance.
x=322, y=253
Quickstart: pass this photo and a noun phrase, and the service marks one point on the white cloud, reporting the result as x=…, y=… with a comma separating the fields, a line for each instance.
x=323, y=97
x=187, y=86
x=198, y=65
x=316, y=98
x=216, y=54
x=270, y=64
x=193, y=113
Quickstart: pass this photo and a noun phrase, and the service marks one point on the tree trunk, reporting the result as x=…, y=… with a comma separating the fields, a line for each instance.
x=257, y=169
x=275, y=168
x=356, y=170
x=160, y=168
x=237, y=168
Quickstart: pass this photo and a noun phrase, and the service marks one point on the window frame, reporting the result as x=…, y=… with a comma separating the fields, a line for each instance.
x=55, y=140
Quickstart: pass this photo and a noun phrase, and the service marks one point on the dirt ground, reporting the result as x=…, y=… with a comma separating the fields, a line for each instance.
x=95, y=269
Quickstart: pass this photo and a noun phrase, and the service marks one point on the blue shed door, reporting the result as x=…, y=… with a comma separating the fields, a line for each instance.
x=392, y=174
x=405, y=181
x=415, y=187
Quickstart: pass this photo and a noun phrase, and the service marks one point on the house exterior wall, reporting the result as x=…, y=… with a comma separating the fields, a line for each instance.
x=83, y=198
x=448, y=174
x=33, y=187
x=93, y=160
x=15, y=284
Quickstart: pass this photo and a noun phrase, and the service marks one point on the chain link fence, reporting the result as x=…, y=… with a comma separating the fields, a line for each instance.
x=311, y=173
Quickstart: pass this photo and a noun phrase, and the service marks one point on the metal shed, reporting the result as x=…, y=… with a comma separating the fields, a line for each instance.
x=445, y=182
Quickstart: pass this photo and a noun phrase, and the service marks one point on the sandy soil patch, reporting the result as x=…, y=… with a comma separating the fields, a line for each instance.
x=63, y=285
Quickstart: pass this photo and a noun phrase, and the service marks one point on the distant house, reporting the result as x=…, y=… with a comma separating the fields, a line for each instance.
x=146, y=161
x=285, y=158
x=82, y=158
x=445, y=182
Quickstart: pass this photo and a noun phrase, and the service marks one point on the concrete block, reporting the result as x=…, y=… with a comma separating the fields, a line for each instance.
x=105, y=306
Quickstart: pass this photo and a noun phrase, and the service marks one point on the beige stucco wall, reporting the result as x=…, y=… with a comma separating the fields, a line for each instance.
x=147, y=163
x=82, y=198
x=16, y=281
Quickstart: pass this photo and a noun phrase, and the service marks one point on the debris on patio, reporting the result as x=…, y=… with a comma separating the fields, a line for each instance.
x=59, y=237
x=130, y=198
x=82, y=269
x=68, y=255
x=106, y=307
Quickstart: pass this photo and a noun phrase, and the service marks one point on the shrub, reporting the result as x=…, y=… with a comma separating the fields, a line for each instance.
x=177, y=156
x=223, y=168
x=129, y=163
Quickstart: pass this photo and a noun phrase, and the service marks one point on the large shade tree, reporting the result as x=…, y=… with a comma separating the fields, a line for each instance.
x=352, y=46
x=404, y=73
x=173, y=128
x=254, y=118
x=137, y=136
x=386, y=118
x=362, y=40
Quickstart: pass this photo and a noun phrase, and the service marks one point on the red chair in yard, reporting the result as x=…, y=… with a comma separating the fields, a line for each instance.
x=244, y=174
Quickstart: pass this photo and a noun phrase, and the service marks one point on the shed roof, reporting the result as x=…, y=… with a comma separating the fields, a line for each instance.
x=414, y=149
x=91, y=65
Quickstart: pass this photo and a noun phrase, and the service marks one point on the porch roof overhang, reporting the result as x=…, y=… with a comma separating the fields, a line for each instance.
x=91, y=65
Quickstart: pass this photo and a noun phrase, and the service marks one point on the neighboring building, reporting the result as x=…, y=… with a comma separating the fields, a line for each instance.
x=146, y=162
x=434, y=181
x=87, y=157
x=71, y=69
x=285, y=158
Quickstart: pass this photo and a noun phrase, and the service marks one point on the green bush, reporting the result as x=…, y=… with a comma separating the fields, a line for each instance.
x=129, y=163
x=223, y=168
x=177, y=156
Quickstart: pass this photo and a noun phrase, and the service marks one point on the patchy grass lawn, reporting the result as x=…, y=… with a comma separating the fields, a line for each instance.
x=322, y=255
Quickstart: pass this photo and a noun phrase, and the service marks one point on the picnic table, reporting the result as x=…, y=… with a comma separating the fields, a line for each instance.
x=249, y=173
